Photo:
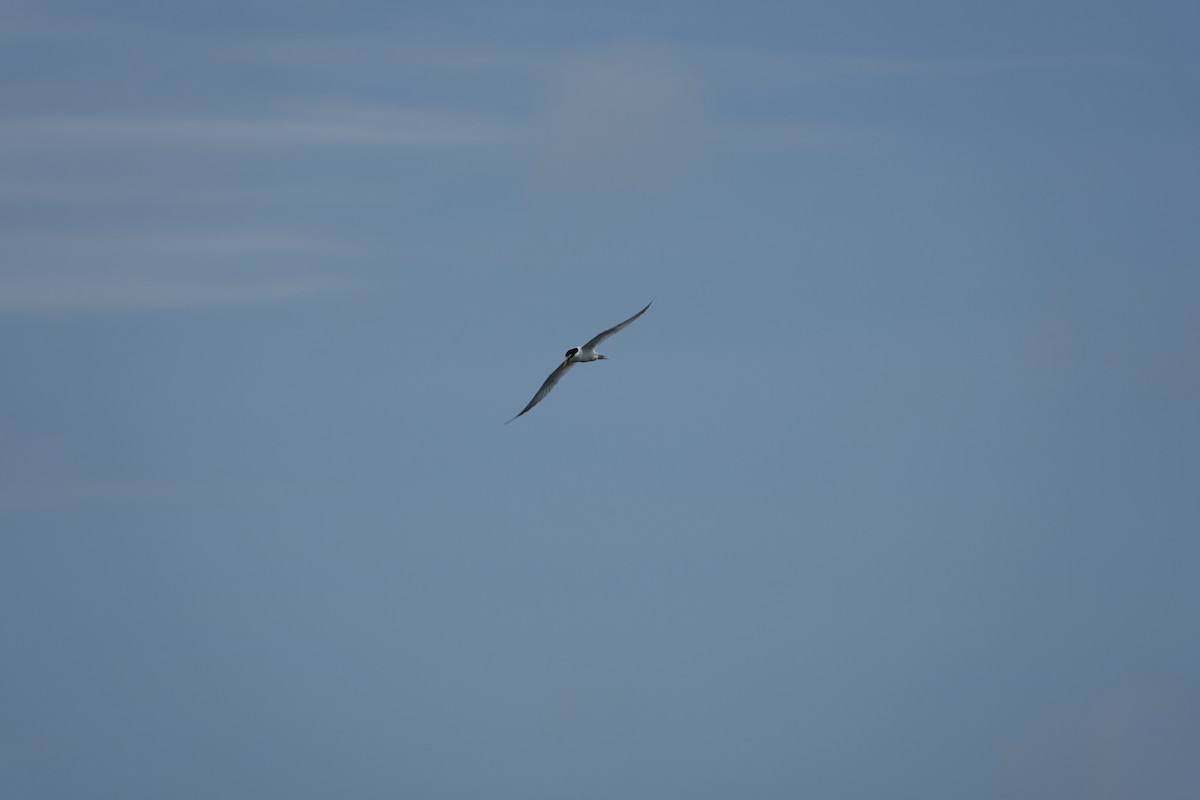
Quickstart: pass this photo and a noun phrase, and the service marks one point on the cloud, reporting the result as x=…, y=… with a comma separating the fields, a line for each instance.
x=133, y=289
x=755, y=65
x=734, y=67
x=100, y=274
x=628, y=111
x=632, y=109
x=384, y=51
x=317, y=125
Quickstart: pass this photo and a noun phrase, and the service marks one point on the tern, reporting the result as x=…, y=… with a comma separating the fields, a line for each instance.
x=576, y=355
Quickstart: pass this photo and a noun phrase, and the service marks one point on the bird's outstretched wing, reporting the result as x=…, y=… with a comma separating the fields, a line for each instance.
x=549, y=384
x=600, y=337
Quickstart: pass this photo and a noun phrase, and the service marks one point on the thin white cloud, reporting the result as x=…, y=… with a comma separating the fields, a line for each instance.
x=110, y=273
x=629, y=111
x=357, y=52
x=767, y=67
x=547, y=64
x=628, y=105
x=638, y=115
x=71, y=189
x=139, y=289
x=326, y=125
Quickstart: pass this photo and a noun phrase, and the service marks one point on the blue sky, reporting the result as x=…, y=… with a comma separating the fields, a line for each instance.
x=893, y=491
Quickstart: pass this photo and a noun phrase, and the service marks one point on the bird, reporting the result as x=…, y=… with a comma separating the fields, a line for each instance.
x=576, y=355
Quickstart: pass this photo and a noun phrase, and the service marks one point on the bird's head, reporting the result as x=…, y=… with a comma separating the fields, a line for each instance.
x=571, y=352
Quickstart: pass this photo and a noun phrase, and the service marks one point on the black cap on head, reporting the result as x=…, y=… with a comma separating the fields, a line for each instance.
x=572, y=352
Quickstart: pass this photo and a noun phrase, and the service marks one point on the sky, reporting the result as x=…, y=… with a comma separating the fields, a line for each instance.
x=893, y=492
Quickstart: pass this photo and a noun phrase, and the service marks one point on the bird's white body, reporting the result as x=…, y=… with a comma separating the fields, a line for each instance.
x=583, y=353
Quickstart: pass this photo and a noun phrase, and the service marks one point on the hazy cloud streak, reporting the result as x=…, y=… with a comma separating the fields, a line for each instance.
x=335, y=126
x=87, y=273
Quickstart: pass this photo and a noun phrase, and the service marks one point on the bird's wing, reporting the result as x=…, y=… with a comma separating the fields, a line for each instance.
x=549, y=384
x=600, y=337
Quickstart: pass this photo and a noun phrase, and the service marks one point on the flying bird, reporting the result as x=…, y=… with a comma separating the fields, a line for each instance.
x=575, y=355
